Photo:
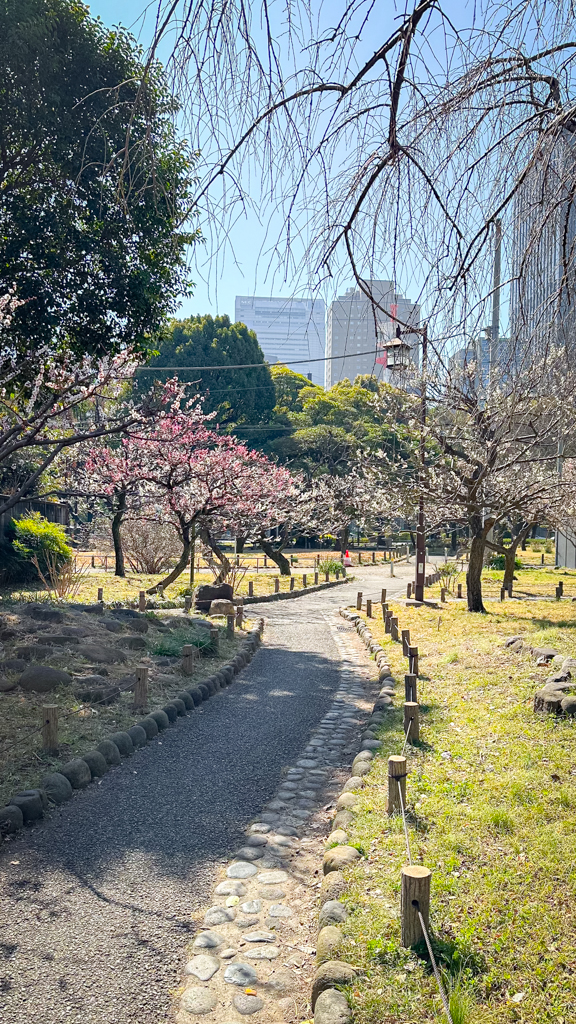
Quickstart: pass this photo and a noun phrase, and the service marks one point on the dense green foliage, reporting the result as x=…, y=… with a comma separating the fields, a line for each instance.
x=32, y=536
x=94, y=185
x=238, y=396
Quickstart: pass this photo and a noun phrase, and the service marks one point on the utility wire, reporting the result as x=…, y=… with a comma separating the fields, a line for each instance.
x=254, y=366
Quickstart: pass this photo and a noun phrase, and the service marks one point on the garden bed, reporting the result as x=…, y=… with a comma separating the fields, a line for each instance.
x=491, y=796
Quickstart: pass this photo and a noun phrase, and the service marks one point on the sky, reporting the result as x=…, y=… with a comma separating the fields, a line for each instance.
x=244, y=271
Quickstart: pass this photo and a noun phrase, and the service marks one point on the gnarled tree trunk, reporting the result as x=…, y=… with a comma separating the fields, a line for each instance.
x=344, y=535
x=213, y=546
x=119, y=569
x=184, y=533
x=276, y=555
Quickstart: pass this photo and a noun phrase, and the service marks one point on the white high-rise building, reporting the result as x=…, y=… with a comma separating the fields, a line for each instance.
x=288, y=330
x=354, y=327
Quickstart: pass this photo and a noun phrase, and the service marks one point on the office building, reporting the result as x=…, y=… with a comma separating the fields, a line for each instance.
x=361, y=337
x=288, y=330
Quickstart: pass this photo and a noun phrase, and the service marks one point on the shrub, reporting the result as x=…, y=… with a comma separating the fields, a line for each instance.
x=33, y=536
x=330, y=565
x=149, y=547
x=499, y=562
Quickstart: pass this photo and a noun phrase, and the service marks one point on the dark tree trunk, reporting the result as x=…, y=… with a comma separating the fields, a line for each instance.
x=276, y=555
x=534, y=531
x=120, y=569
x=475, y=566
x=344, y=535
x=183, y=561
x=240, y=542
x=510, y=556
x=225, y=566
x=454, y=541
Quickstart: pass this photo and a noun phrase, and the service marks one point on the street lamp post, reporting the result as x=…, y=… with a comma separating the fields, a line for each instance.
x=421, y=528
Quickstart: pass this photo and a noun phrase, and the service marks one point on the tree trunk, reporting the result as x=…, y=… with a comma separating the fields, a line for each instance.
x=454, y=540
x=183, y=561
x=474, y=575
x=344, y=535
x=510, y=559
x=225, y=566
x=120, y=569
x=240, y=542
x=276, y=555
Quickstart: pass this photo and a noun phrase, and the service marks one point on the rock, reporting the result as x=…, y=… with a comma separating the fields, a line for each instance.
x=133, y=643
x=112, y=625
x=279, y=910
x=96, y=762
x=332, y=1008
x=240, y=974
x=206, y=594
x=161, y=719
x=198, y=1000
x=11, y=819
x=202, y=966
x=330, y=974
x=257, y=840
x=562, y=676
x=12, y=665
x=513, y=640
x=98, y=695
x=42, y=613
x=77, y=772
x=271, y=877
x=185, y=697
x=7, y=684
x=249, y=853
x=568, y=705
x=230, y=889
x=218, y=915
x=60, y=639
x=140, y=625
x=259, y=936
x=548, y=701
x=123, y=742
x=126, y=613
x=329, y=938
x=247, y=1004
x=337, y=838
x=263, y=953
x=180, y=706
x=138, y=735
x=171, y=711
x=361, y=767
x=342, y=820
x=208, y=940
x=242, y=869
x=222, y=608
x=102, y=655
x=30, y=803
x=338, y=858
x=196, y=695
x=569, y=663
x=547, y=653
x=333, y=912
x=110, y=752
x=43, y=679
x=353, y=783
x=348, y=800
x=57, y=787
x=333, y=885
x=150, y=727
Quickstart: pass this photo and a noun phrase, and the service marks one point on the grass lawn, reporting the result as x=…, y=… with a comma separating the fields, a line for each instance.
x=491, y=792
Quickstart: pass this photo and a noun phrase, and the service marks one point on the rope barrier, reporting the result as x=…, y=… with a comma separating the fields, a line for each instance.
x=443, y=996
x=408, y=853
x=406, y=738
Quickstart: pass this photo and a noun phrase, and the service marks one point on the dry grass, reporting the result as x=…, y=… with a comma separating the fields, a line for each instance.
x=492, y=798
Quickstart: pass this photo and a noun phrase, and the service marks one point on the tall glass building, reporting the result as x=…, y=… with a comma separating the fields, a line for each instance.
x=288, y=330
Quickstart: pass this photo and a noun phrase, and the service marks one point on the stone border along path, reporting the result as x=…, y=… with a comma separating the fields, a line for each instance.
x=254, y=954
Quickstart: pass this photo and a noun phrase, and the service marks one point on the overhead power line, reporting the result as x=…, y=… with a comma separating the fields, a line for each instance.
x=254, y=366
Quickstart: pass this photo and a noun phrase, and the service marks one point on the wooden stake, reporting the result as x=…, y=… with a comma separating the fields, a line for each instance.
x=292, y=581
x=459, y=590
x=214, y=639
x=304, y=580
x=411, y=687
x=50, y=728
x=415, y=897
x=142, y=601
x=276, y=585
x=373, y=558
x=387, y=617
x=240, y=615
x=230, y=626
x=502, y=593
x=408, y=591
x=396, y=775
x=405, y=642
x=368, y=607
x=394, y=627
x=327, y=577
x=315, y=579
x=100, y=594
x=187, y=603
x=359, y=601
x=443, y=595
x=383, y=596
x=413, y=659
x=141, y=687
x=412, y=720
x=251, y=588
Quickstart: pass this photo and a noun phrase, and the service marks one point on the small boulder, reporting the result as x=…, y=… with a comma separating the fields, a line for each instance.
x=543, y=653
x=332, y=1008
x=339, y=857
x=206, y=594
x=150, y=727
x=96, y=762
x=12, y=665
x=348, y=800
x=171, y=712
x=330, y=974
x=31, y=652
x=112, y=625
x=187, y=699
x=77, y=772
x=42, y=678
x=548, y=701
x=43, y=613
x=123, y=742
x=333, y=912
x=138, y=736
x=161, y=719
x=32, y=803
x=57, y=787
x=102, y=655
x=196, y=695
x=133, y=643
x=126, y=613
x=179, y=705
x=110, y=752
x=568, y=705
x=7, y=684
x=59, y=639
x=221, y=607
x=11, y=819
x=329, y=938
x=333, y=885
x=513, y=640
x=337, y=838
x=139, y=625
x=343, y=820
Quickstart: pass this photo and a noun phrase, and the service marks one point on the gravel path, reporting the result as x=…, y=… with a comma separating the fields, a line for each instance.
x=96, y=902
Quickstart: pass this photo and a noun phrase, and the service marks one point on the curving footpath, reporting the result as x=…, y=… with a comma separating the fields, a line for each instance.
x=96, y=901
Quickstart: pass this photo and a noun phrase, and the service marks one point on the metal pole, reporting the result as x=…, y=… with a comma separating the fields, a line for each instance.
x=421, y=528
x=192, y=552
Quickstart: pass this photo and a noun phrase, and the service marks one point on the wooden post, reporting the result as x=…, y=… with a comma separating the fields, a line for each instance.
x=387, y=617
x=408, y=591
x=187, y=602
x=327, y=577
x=265, y=562
x=412, y=720
x=50, y=728
x=105, y=563
x=413, y=659
x=394, y=627
x=368, y=607
x=542, y=559
x=142, y=601
x=93, y=562
x=237, y=559
x=100, y=594
x=251, y=588
x=240, y=615
x=391, y=566
x=229, y=626
x=160, y=592
x=405, y=642
x=561, y=587
x=373, y=558
x=359, y=557
x=141, y=687
x=558, y=593
x=315, y=579
x=188, y=658
x=337, y=574
x=304, y=580
x=502, y=593
x=410, y=687
x=276, y=585
x=359, y=601
x=214, y=639
x=383, y=596
x=415, y=898
x=443, y=595
x=459, y=590
x=396, y=780
x=292, y=581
